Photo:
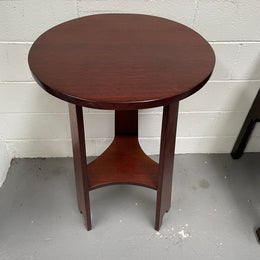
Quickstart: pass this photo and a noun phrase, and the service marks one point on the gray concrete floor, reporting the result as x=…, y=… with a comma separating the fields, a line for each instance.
x=215, y=210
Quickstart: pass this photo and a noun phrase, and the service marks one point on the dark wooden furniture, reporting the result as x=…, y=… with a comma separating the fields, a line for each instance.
x=253, y=116
x=258, y=234
x=123, y=62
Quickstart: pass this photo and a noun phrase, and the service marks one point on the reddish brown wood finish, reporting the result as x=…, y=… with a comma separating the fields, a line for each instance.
x=121, y=61
x=126, y=122
x=80, y=161
x=168, y=136
x=123, y=162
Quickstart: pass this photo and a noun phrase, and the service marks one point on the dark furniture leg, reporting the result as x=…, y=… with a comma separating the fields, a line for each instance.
x=126, y=125
x=168, y=136
x=258, y=234
x=126, y=122
x=80, y=161
x=253, y=116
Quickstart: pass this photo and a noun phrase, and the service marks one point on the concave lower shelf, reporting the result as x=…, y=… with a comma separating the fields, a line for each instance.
x=123, y=162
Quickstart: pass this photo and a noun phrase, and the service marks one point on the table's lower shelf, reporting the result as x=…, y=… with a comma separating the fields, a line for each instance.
x=123, y=162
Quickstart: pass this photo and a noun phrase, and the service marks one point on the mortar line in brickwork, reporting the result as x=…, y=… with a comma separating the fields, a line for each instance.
x=235, y=61
x=197, y=112
x=110, y=138
x=111, y=114
x=234, y=42
x=37, y=139
x=212, y=111
x=16, y=42
x=212, y=81
x=60, y=113
x=191, y=137
x=206, y=136
x=35, y=113
x=235, y=80
x=60, y=139
x=214, y=42
x=195, y=13
x=16, y=81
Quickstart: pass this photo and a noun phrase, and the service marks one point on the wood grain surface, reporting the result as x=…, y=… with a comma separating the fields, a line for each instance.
x=121, y=61
x=124, y=162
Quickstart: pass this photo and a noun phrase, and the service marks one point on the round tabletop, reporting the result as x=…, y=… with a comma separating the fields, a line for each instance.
x=121, y=61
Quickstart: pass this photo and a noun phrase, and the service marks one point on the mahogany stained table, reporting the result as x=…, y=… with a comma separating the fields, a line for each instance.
x=123, y=62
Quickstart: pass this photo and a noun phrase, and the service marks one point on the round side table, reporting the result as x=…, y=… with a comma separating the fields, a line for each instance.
x=123, y=62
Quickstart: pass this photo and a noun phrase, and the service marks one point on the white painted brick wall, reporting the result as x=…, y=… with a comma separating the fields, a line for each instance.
x=228, y=20
x=35, y=124
x=5, y=159
x=25, y=20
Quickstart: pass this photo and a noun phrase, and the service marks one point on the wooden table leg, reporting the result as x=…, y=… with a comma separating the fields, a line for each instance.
x=253, y=116
x=126, y=122
x=258, y=234
x=80, y=161
x=168, y=136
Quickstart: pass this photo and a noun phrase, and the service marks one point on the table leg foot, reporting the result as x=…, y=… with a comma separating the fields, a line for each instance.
x=87, y=220
x=258, y=234
x=164, y=190
x=80, y=161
